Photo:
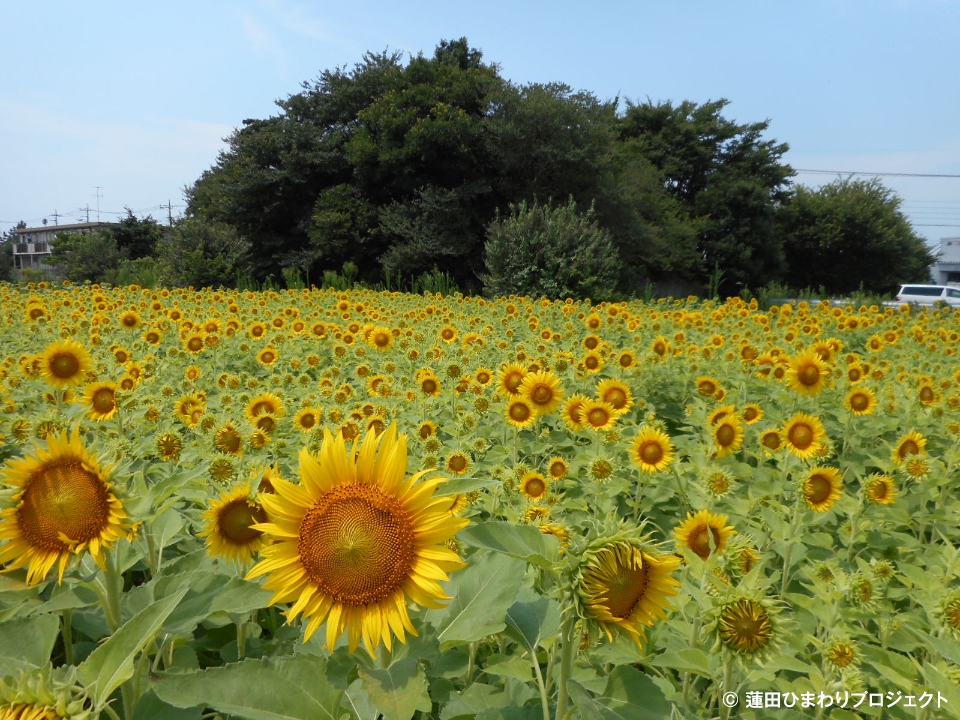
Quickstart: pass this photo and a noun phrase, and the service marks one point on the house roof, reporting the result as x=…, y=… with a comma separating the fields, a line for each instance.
x=74, y=226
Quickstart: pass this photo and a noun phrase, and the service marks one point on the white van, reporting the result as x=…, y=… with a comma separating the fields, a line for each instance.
x=929, y=294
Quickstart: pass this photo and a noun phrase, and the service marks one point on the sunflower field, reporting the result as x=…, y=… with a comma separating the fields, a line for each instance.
x=355, y=504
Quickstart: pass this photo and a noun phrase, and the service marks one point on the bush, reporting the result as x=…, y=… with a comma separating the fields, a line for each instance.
x=553, y=252
x=202, y=253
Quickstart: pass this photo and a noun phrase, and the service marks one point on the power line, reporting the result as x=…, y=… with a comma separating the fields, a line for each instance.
x=875, y=174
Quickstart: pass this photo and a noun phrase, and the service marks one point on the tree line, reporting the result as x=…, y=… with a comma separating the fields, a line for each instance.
x=439, y=164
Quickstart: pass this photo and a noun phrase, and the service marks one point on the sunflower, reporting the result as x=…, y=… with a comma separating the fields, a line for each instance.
x=623, y=586
x=194, y=342
x=169, y=446
x=64, y=505
x=752, y=413
x=808, y=374
x=228, y=440
x=380, y=338
x=592, y=362
x=703, y=533
x=559, y=531
x=771, y=440
x=596, y=415
x=267, y=356
x=306, y=419
x=557, y=468
x=651, y=450
x=841, y=654
x=860, y=401
x=101, y=400
x=728, y=435
x=543, y=390
x=458, y=463
x=913, y=443
x=357, y=540
x=265, y=404
x=802, y=435
x=707, y=385
x=571, y=411
x=426, y=430
x=520, y=412
x=65, y=363
x=511, y=376
x=229, y=530
x=429, y=384
x=745, y=626
x=616, y=393
x=534, y=485
x=721, y=412
x=822, y=488
x=880, y=489
x=130, y=320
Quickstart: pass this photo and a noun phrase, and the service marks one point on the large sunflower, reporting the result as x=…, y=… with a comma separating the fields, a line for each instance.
x=265, y=404
x=100, y=399
x=703, y=533
x=64, y=505
x=822, y=488
x=357, y=541
x=510, y=377
x=543, y=390
x=65, y=363
x=860, y=401
x=802, y=435
x=651, y=450
x=596, y=415
x=728, y=435
x=229, y=526
x=913, y=443
x=808, y=374
x=616, y=393
x=625, y=587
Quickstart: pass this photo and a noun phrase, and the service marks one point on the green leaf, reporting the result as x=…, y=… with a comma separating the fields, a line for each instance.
x=479, y=697
x=520, y=541
x=150, y=707
x=27, y=642
x=358, y=703
x=465, y=485
x=533, y=619
x=399, y=691
x=688, y=660
x=481, y=596
x=509, y=666
x=111, y=664
x=292, y=688
x=629, y=695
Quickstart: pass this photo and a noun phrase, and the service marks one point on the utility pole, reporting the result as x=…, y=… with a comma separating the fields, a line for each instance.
x=88, y=212
x=98, y=188
x=169, y=212
x=55, y=216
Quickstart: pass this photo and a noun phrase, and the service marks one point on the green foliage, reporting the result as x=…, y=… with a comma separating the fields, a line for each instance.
x=850, y=234
x=6, y=260
x=90, y=257
x=553, y=252
x=203, y=253
x=135, y=237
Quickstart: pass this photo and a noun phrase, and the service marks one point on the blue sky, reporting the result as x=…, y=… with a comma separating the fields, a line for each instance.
x=136, y=98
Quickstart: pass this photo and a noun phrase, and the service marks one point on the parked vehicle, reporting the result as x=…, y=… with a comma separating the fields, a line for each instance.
x=929, y=295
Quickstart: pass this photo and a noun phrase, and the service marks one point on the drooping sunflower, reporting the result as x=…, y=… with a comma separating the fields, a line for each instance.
x=64, y=505
x=100, y=399
x=913, y=443
x=860, y=401
x=802, y=435
x=703, y=533
x=728, y=435
x=880, y=489
x=597, y=416
x=229, y=526
x=623, y=586
x=534, y=485
x=808, y=374
x=265, y=404
x=519, y=412
x=65, y=363
x=616, y=393
x=651, y=450
x=357, y=540
x=543, y=390
x=822, y=488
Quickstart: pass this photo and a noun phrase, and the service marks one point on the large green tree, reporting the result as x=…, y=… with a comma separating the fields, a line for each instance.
x=848, y=233
x=725, y=175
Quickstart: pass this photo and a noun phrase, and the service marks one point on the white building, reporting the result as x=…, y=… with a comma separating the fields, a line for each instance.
x=34, y=245
x=947, y=269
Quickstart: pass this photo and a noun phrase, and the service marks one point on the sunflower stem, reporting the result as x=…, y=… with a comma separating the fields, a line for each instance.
x=544, y=702
x=111, y=712
x=788, y=554
x=67, y=632
x=566, y=663
x=727, y=686
x=854, y=528
x=114, y=583
x=241, y=639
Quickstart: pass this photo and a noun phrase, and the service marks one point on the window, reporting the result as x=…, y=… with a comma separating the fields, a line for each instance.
x=953, y=293
x=925, y=290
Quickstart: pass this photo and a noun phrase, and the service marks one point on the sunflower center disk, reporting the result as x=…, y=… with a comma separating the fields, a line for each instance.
x=64, y=366
x=235, y=521
x=103, y=401
x=651, y=453
x=809, y=375
x=625, y=590
x=62, y=498
x=357, y=544
x=700, y=540
x=819, y=489
x=542, y=395
x=801, y=436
